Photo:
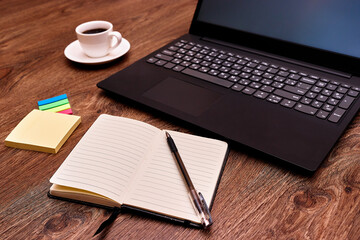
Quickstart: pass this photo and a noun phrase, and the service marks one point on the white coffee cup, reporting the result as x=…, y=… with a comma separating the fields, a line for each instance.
x=97, y=38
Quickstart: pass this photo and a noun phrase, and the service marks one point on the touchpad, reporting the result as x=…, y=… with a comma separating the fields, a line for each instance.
x=182, y=96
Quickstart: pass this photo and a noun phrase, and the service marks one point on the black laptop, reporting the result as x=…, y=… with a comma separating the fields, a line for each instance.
x=281, y=77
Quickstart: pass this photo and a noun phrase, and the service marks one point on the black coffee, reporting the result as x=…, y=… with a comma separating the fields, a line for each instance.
x=95, y=30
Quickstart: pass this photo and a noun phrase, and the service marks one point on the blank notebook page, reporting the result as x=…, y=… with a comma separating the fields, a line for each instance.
x=104, y=161
x=160, y=185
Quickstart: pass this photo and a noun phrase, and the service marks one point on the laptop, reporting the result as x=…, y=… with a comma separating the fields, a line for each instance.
x=280, y=77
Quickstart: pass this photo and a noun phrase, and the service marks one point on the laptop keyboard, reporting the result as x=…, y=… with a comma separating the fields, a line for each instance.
x=306, y=93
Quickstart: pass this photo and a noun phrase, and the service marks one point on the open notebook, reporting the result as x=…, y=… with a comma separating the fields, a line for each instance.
x=127, y=163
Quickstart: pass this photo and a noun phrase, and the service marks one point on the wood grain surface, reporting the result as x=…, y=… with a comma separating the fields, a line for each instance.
x=257, y=198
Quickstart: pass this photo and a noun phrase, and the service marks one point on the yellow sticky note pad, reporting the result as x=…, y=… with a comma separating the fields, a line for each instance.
x=43, y=131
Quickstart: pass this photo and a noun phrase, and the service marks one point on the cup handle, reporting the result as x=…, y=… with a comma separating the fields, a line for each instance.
x=118, y=38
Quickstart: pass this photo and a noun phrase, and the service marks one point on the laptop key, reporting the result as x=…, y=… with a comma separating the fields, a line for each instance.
x=205, y=63
x=326, y=92
x=194, y=66
x=308, y=80
x=177, y=61
x=311, y=95
x=179, y=55
x=266, y=81
x=185, y=63
x=290, y=82
x=346, y=102
x=322, y=114
x=287, y=103
x=279, y=79
x=274, y=99
x=261, y=95
x=353, y=93
x=328, y=107
x=331, y=87
x=248, y=90
x=169, y=65
x=314, y=77
x=336, y=115
x=214, y=66
x=244, y=82
x=294, y=76
x=333, y=101
x=277, y=85
x=161, y=62
x=233, y=78
x=342, y=89
x=178, y=68
x=268, y=75
x=272, y=70
x=152, y=60
x=208, y=78
x=173, y=48
x=168, y=52
x=182, y=50
x=255, y=78
x=283, y=73
x=316, y=104
x=337, y=95
x=305, y=109
x=267, y=88
x=163, y=57
x=237, y=87
x=188, y=46
x=204, y=69
x=223, y=75
x=262, y=68
x=306, y=100
x=213, y=72
x=316, y=89
x=255, y=85
x=295, y=90
x=287, y=95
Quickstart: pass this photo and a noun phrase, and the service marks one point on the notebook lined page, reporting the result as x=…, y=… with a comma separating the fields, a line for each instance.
x=160, y=186
x=107, y=157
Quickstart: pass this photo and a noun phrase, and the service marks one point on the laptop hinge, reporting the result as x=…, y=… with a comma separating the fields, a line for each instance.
x=300, y=63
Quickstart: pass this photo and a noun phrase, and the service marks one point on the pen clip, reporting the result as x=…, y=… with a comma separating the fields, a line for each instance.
x=206, y=219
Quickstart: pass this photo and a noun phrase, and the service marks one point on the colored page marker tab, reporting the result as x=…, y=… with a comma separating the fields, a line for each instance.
x=66, y=111
x=54, y=104
x=53, y=99
x=59, y=108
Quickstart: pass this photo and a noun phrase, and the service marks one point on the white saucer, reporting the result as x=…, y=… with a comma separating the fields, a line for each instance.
x=74, y=53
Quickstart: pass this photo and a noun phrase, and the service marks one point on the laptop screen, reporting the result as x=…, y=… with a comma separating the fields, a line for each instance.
x=331, y=25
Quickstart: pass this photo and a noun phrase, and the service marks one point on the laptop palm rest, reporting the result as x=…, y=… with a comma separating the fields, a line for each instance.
x=182, y=96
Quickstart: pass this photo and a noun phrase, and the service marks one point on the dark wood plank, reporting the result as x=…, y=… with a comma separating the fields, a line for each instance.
x=256, y=199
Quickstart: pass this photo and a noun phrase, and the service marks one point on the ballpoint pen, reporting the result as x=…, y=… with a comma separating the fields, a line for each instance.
x=197, y=198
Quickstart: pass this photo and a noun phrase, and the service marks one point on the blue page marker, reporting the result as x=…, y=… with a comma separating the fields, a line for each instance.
x=51, y=100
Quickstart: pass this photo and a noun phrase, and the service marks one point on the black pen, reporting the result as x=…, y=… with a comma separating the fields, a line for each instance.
x=197, y=198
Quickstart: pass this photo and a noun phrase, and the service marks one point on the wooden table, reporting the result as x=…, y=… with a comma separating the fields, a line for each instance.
x=256, y=199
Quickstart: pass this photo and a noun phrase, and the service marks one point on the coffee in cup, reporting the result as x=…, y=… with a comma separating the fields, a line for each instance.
x=97, y=38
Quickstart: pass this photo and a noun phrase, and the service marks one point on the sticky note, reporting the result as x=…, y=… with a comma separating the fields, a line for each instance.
x=42, y=131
